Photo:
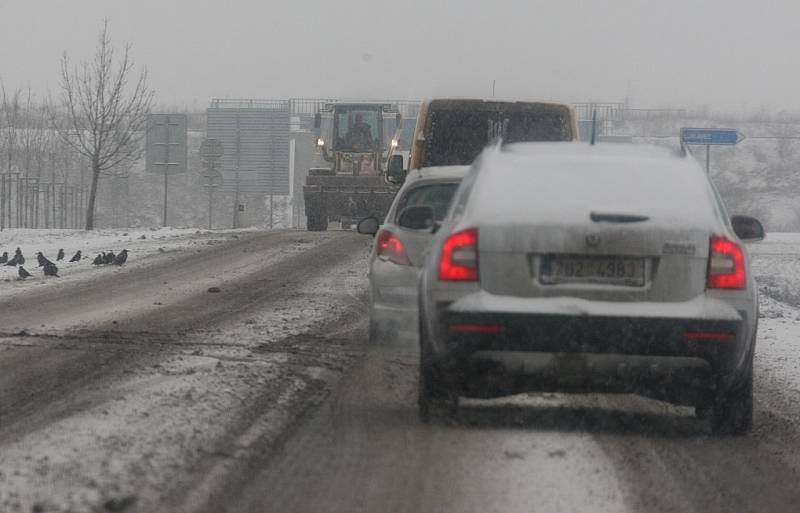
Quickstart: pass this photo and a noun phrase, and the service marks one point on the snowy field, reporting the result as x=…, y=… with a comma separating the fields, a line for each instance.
x=144, y=246
x=776, y=264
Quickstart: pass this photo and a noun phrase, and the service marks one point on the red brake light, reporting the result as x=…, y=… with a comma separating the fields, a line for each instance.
x=473, y=328
x=725, y=265
x=459, y=260
x=388, y=247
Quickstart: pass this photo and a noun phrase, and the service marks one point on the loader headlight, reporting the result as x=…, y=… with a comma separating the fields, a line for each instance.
x=320, y=142
x=395, y=143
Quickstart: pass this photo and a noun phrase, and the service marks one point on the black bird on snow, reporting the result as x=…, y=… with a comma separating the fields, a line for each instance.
x=4, y=258
x=14, y=261
x=99, y=259
x=43, y=261
x=50, y=269
x=121, y=258
x=18, y=256
x=109, y=258
x=23, y=273
x=60, y=255
x=76, y=257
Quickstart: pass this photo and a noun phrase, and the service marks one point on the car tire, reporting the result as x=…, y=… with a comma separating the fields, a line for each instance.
x=317, y=219
x=317, y=223
x=381, y=330
x=377, y=333
x=732, y=412
x=437, y=397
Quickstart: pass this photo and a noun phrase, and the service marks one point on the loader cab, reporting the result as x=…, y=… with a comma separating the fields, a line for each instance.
x=358, y=128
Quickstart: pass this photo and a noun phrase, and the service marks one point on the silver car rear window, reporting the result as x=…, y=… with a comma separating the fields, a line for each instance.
x=436, y=196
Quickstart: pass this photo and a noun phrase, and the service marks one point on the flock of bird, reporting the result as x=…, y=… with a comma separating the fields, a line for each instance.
x=49, y=268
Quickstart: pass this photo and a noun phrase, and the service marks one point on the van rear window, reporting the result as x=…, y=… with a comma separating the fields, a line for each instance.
x=456, y=137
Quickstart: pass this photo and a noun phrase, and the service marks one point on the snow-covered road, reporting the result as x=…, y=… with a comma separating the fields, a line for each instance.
x=366, y=450
x=126, y=387
x=139, y=390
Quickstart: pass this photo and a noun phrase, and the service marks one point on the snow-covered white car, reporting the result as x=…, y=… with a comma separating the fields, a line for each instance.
x=611, y=268
x=400, y=245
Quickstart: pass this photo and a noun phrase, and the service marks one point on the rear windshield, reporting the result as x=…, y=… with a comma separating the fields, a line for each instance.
x=437, y=196
x=456, y=137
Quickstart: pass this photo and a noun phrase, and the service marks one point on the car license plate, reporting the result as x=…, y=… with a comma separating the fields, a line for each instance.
x=555, y=269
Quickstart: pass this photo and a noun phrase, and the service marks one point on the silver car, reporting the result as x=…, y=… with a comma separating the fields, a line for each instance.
x=400, y=245
x=576, y=268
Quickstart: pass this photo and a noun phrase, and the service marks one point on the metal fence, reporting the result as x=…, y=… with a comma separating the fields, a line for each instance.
x=255, y=136
x=27, y=202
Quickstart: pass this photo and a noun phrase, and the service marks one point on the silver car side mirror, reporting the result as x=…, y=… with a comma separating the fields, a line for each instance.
x=368, y=226
x=747, y=228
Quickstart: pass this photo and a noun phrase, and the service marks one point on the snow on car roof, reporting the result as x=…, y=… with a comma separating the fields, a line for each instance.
x=563, y=183
x=438, y=173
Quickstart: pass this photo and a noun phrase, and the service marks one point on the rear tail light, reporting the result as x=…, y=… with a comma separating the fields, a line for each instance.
x=459, y=260
x=725, y=265
x=388, y=247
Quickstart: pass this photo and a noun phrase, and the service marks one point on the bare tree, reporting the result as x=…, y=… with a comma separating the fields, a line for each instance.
x=11, y=120
x=103, y=114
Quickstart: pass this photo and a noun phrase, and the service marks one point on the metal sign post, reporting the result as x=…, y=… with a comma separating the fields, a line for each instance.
x=166, y=147
x=211, y=150
x=710, y=137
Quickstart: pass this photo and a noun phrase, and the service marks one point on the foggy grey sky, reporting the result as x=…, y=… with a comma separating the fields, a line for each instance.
x=728, y=54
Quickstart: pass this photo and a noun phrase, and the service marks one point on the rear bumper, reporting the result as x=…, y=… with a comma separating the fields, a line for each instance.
x=394, y=297
x=684, y=380
x=571, y=345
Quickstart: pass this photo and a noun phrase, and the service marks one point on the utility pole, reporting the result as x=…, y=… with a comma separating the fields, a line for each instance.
x=211, y=151
x=271, y=196
x=167, y=143
x=238, y=163
x=3, y=202
x=236, y=202
x=166, y=152
x=210, y=205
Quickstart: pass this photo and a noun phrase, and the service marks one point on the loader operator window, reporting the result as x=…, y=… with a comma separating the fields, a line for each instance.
x=357, y=130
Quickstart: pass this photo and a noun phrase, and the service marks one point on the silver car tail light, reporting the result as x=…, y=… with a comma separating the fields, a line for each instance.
x=725, y=265
x=389, y=247
x=459, y=259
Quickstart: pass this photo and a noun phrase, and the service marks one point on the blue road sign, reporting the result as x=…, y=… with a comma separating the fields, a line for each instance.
x=715, y=136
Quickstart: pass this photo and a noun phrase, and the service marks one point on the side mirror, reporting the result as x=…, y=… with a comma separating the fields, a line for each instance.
x=747, y=228
x=317, y=120
x=368, y=226
x=417, y=217
x=394, y=169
